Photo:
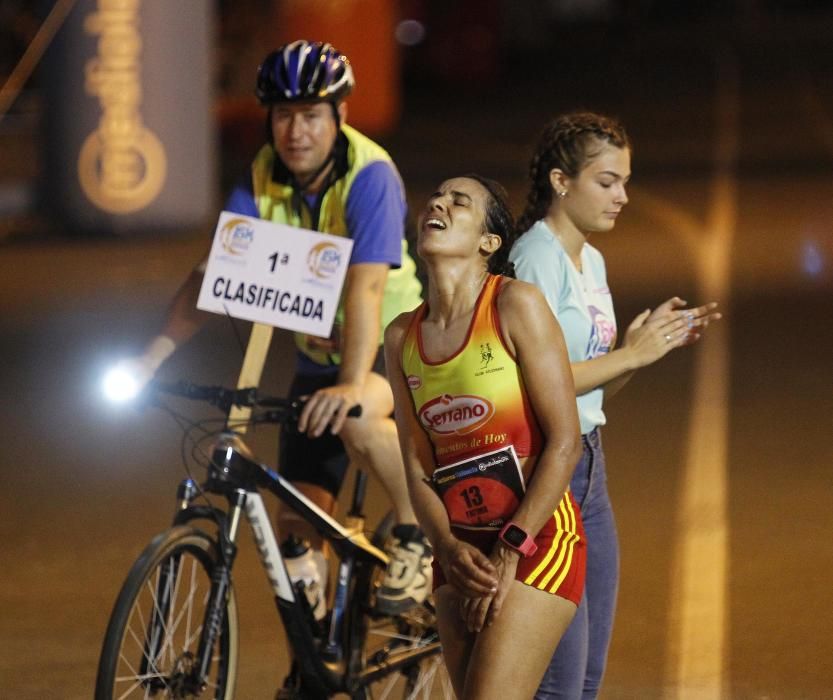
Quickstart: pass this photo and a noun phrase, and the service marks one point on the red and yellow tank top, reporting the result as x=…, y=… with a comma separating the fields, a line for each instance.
x=476, y=412
x=473, y=402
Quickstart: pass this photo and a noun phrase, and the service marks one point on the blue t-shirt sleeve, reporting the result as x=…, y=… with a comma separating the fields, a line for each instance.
x=241, y=199
x=375, y=214
x=539, y=263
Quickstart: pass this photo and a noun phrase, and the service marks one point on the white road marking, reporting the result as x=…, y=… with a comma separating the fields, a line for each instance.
x=698, y=620
x=699, y=581
x=699, y=584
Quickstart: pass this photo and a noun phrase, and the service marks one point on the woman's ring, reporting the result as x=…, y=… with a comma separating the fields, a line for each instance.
x=667, y=338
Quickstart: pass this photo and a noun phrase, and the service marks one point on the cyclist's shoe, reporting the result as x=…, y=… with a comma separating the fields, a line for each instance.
x=407, y=581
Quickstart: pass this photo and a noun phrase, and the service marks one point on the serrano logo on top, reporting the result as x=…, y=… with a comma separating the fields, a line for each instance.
x=456, y=414
x=324, y=259
x=236, y=235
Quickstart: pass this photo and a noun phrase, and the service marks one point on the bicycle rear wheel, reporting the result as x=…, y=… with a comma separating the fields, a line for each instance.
x=390, y=640
x=400, y=656
x=151, y=642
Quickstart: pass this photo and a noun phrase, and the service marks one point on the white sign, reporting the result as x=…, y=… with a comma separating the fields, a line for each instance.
x=275, y=274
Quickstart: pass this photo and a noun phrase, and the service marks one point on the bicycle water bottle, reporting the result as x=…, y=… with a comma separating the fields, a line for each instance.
x=308, y=567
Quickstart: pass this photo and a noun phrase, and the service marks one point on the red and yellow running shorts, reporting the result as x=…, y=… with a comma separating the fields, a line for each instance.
x=557, y=567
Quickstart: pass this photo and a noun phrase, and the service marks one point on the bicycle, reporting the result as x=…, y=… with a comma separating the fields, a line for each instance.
x=173, y=632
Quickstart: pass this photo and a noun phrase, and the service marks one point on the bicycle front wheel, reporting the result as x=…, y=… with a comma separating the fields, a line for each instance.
x=150, y=648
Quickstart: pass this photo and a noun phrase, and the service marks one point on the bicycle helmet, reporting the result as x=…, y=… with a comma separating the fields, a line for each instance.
x=304, y=70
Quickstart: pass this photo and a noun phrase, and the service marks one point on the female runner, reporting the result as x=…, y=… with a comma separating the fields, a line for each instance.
x=487, y=422
x=578, y=178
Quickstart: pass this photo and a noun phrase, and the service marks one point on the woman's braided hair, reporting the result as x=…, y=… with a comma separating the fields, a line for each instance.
x=498, y=220
x=569, y=142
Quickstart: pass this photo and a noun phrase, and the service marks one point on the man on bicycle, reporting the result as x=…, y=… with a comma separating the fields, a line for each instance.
x=316, y=172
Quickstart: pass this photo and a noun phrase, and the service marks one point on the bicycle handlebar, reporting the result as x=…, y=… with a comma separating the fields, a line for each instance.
x=249, y=397
x=215, y=395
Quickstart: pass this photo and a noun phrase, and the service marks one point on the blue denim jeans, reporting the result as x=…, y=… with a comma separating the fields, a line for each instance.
x=578, y=664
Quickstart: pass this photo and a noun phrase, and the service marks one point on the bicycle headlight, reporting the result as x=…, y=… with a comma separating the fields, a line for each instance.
x=120, y=385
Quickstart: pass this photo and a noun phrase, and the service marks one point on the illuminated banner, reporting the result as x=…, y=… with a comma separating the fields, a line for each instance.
x=275, y=274
x=129, y=142
x=122, y=164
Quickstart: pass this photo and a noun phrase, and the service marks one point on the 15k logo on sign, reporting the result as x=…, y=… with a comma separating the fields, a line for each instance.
x=236, y=236
x=324, y=260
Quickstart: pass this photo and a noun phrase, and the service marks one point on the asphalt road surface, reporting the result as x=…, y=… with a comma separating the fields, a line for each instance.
x=719, y=456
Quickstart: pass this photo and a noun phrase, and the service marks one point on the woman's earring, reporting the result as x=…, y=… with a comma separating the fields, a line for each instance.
x=562, y=194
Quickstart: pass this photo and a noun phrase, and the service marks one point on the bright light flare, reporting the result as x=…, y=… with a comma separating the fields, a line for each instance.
x=120, y=385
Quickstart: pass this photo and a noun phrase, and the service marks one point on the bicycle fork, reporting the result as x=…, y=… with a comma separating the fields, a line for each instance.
x=194, y=677
x=220, y=585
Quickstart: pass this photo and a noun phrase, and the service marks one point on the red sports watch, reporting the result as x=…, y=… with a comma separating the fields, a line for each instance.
x=518, y=539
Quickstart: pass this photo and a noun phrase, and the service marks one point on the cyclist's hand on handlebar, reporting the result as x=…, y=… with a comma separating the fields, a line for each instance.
x=328, y=406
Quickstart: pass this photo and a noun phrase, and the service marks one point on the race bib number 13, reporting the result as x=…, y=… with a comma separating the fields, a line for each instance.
x=481, y=492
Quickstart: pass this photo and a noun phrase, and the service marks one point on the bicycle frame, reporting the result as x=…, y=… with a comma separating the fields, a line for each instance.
x=323, y=665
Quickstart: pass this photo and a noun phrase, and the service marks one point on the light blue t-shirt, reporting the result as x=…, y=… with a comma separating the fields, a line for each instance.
x=581, y=302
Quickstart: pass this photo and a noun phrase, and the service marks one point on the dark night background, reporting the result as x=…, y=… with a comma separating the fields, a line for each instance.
x=84, y=486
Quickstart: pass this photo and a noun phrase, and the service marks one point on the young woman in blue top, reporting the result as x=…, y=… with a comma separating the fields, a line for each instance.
x=579, y=175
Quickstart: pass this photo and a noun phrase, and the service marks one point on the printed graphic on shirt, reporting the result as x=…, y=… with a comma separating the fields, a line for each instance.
x=481, y=492
x=486, y=355
x=602, y=333
x=458, y=415
x=491, y=360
